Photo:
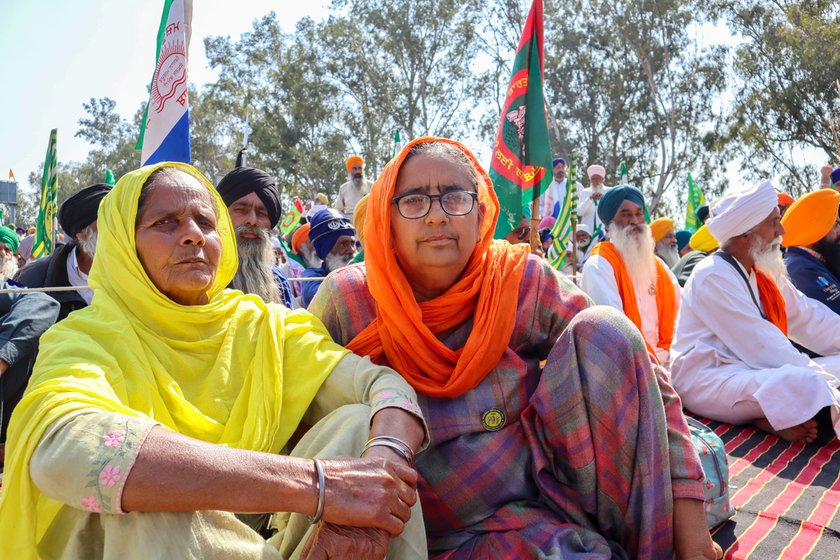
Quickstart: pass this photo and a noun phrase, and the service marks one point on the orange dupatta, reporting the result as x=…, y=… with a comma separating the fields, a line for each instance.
x=404, y=331
x=772, y=301
x=666, y=302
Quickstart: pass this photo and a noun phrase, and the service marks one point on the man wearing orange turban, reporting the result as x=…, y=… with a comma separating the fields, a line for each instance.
x=665, y=239
x=813, y=241
x=351, y=192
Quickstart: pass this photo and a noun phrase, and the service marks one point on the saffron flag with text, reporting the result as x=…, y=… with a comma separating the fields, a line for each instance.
x=165, y=131
x=45, y=224
x=695, y=201
x=520, y=166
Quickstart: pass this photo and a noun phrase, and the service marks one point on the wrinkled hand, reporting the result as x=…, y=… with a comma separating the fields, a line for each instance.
x=371, y=492
x=340, y=541
x=596, y=196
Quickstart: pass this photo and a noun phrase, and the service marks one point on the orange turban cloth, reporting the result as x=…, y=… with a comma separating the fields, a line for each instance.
x=702, y=240
x=300, y=236
x=660, y=228
x=404, y=330
x=351, y=161
x=810, y=218
x=784, y=199
x=359, y=215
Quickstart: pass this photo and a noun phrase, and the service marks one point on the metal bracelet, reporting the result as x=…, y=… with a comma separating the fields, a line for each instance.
x=405, y=453
x=405, y=446
x=319, y=511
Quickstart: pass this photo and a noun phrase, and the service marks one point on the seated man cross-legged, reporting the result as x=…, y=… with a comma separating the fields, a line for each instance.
x=732, y=358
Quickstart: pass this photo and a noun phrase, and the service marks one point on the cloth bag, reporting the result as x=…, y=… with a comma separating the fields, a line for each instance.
x=716, y=470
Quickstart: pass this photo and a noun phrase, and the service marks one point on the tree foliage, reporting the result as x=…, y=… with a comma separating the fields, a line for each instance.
x=625, y=81
x=628, y=83
x=784, y=91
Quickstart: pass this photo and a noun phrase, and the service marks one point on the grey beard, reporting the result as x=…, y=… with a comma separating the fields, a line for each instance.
x=310, y=259
x=357, y=182
x=334, y=262
x=254, y=275
x=668, y=253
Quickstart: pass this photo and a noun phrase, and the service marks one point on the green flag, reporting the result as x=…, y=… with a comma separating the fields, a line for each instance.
x=396, y=143
x=566, y=221
x=48, y=207
x=695, y=201
x=290, y=220
x=520, y=167
x=109, y=177
x=622, y=174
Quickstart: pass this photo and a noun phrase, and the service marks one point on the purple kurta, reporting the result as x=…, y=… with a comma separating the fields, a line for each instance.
x=580, y=457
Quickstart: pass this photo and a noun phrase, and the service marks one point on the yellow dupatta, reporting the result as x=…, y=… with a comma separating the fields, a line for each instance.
x=236, y=371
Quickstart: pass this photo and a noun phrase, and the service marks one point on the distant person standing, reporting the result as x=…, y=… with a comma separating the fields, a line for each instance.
x=351, y=192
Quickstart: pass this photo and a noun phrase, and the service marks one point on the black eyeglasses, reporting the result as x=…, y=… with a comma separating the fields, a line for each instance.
x=413, y=206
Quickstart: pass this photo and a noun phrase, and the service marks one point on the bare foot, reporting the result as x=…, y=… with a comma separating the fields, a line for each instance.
x=806, y=431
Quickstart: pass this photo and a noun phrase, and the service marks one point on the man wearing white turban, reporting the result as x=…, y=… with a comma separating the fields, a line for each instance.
x=732, y=358
x=589, y=198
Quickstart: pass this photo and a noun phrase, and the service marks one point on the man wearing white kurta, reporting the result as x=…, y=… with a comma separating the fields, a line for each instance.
x=729, y=359
x=556, y=191
x=623, y=210
x=589, y=198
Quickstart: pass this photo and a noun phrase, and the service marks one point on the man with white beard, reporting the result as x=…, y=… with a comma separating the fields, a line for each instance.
x=9, y=243
x=70, y=264
x=334, y=239
x=665, y=241
x=625, y=273
x=590, y=197
x=254, y=205
x=351, y=192
x=732, y=358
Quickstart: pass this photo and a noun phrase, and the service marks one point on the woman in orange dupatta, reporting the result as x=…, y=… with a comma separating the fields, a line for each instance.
x=589, y=455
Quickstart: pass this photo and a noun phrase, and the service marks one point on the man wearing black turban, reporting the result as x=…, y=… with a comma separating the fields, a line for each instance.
x=70, y=265
x=254, y=205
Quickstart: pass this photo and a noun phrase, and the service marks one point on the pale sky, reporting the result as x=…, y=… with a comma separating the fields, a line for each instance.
x=59, y=54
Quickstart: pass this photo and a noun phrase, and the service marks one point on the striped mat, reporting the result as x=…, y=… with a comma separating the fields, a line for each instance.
x=786, y=496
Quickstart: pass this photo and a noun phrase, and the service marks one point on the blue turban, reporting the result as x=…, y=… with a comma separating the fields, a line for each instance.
x=835, y=175
x=557, y=160
x=327, y=226
x=702, y=214
x=682, y=238
x=612, y=199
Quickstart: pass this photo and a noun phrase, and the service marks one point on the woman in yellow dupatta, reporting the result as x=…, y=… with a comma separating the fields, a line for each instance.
x=163, y=406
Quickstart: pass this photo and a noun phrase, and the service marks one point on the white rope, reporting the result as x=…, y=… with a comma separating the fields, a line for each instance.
x=74, y=288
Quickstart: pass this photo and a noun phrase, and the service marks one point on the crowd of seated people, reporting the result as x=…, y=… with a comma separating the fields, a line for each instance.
x=443, y=395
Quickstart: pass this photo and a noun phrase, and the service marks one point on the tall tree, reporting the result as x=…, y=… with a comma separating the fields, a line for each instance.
x=402, y=65
x=784, y=89
x=278, y=81
x=630, y=84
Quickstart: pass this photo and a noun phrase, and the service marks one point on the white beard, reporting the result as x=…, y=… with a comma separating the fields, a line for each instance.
x=310, y=259
x=769, y=259
x=8, y=267
x=334, y=262
x=596, y=189
x=667, y=253
x=635, y=244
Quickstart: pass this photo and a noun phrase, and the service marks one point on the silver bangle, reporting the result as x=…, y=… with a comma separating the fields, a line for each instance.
x=403, y=451
x=405, y=447
x=319, y=510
